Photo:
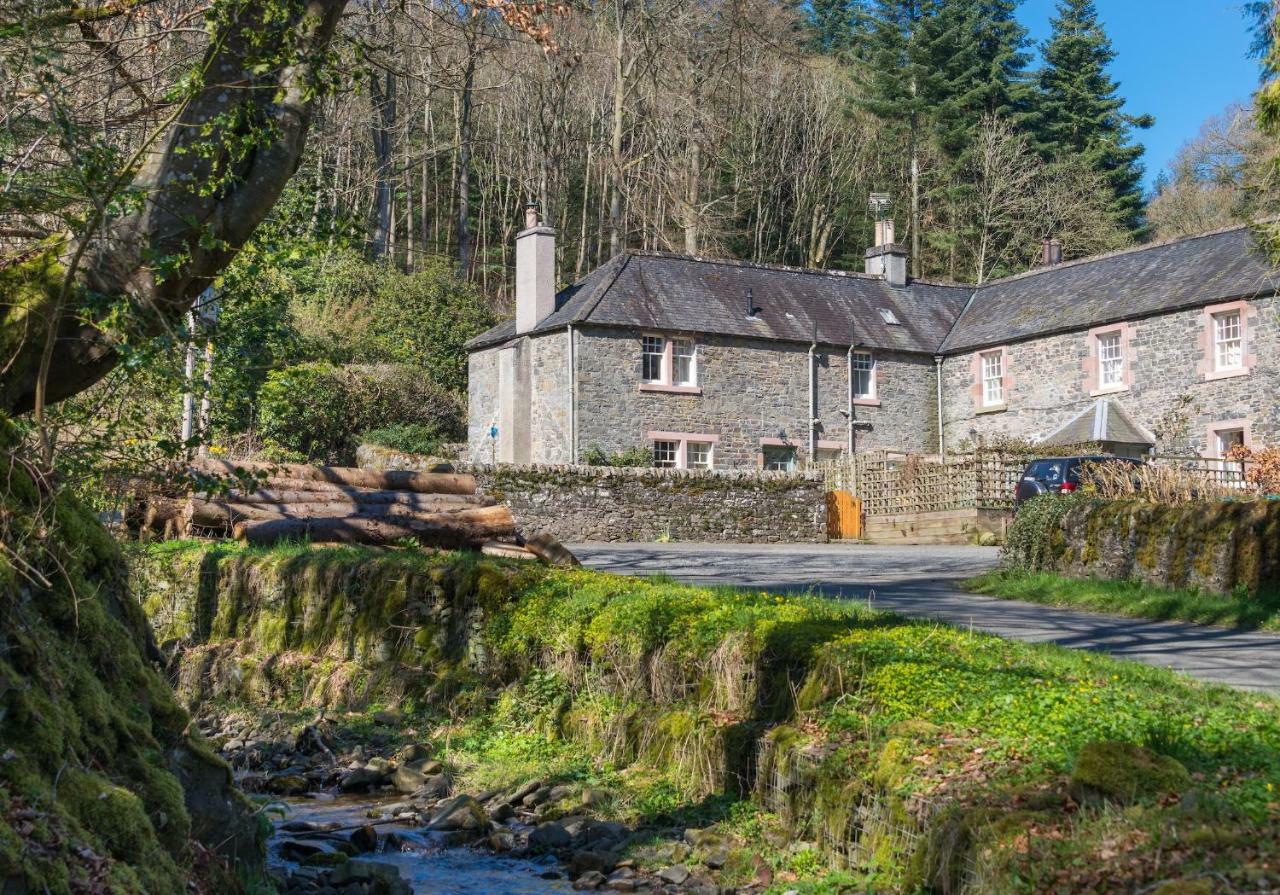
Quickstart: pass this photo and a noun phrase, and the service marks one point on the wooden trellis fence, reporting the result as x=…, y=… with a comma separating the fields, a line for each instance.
x=891, y=484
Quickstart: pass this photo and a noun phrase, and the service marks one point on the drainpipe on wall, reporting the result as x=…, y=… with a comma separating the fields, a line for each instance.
x=942, y=442
x=813, y=401
x=573, y=399
x=853, y=445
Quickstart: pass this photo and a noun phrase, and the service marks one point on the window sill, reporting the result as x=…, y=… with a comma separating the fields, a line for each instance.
x=670, y=389
x=993, y=408
x=866, y=402
x=1226, y=374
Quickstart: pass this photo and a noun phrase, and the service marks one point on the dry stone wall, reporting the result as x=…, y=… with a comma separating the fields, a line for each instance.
x=1216, y=547
x=586, y=503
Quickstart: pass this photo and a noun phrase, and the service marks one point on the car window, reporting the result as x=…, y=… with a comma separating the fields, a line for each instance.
x=1048, y=471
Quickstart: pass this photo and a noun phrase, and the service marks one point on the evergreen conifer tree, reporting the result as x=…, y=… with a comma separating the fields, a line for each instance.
x=1079, y=112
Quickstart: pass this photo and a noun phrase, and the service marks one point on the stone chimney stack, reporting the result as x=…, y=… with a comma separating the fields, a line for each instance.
x=887, y=258
x=1051, y=253
x=535, y=271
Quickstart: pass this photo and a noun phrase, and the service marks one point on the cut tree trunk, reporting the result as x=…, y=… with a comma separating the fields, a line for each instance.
x=225, y=514
x=467, y=528
x=383, y=480
x=340, y=494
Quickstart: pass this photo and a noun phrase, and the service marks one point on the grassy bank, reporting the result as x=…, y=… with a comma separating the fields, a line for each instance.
x=847, y=747
x=1133, y=599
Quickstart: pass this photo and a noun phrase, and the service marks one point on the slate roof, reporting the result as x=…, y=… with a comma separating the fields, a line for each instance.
x=677, y=293
x=1104, y=421
x=1200, y=270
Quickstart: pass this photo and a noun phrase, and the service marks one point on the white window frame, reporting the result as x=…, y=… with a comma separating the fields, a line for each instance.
x=1112, y=364
x=710, y=461
x=865, y=362
x=676, y=344
x=661, y=462
x=666, y=361
x=1219, y=321
x=992, y=382
x=681, y=442
x=646, y=344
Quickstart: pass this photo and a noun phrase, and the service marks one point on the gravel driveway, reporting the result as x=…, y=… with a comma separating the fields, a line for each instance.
x=923, y=582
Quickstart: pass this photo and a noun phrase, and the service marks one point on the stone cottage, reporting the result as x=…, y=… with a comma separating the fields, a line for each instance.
x=731, y=365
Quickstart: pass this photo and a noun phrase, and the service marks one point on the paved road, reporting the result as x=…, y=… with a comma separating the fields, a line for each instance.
x=923, y=582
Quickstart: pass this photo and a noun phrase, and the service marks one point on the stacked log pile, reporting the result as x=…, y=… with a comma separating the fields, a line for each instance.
x=331, y=504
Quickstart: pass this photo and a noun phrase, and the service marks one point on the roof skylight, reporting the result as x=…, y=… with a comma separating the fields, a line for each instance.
x=889, y=317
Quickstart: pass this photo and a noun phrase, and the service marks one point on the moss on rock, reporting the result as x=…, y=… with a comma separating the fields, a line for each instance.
x=1124, y=773
x=89, y=727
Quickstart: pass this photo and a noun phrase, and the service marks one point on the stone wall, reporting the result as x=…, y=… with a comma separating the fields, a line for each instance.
x=1217, y=547
x=750, y=390
x=1050, y=383
x=531, y=375
x=586, y=503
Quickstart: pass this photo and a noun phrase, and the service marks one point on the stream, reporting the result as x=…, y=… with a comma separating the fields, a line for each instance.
x=423, y=859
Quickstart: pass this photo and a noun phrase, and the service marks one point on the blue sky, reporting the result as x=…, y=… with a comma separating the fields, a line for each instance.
x=1179, y=60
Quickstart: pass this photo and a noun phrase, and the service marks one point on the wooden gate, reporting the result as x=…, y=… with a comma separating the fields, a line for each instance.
x=844, y=516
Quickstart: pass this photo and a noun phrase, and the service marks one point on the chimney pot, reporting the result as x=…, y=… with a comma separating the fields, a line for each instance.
x=1055, y=252
x=530, y=215
x=884, y=232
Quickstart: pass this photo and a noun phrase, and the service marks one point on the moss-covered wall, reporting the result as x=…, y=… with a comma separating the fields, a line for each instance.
x=1219, y=547
x=102, y=789
x=334, y=627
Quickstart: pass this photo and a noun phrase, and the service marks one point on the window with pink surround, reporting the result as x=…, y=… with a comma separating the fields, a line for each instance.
x=1225, y=340
x=668, y=365
x=992, y=378
x=1108, y=364
x=683, y=450
x=1228, y=341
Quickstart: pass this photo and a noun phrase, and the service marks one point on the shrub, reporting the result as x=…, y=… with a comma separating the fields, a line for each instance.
x=320, y=410
x=412, y=438
x=1028, y=544
x=631, y=457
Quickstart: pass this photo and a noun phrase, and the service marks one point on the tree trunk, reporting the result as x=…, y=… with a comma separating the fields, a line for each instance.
x=383, y=480
x=364, y=497
x=224, y=515
x=61, y=348
x=469, y=529
x=384, y=111
x=464, y=162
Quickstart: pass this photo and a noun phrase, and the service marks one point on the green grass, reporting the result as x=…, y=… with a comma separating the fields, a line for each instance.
x=649, y=688
x=1133, y=599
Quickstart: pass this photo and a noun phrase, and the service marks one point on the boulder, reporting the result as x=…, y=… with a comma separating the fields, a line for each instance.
x=360, y=779
x=413, y=752
x=424, y=766
x=365, y=839
x=549, y=836
x=1125, y=773
x=381, y=879
x=287, y=785
x=407, y=780
x=459, y=813
x=676, y=874
x=592, y=879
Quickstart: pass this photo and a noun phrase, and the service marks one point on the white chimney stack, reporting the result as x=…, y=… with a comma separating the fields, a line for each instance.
x=535, y=271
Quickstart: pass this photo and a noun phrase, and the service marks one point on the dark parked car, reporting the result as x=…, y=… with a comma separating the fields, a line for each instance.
x=1057, y=475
